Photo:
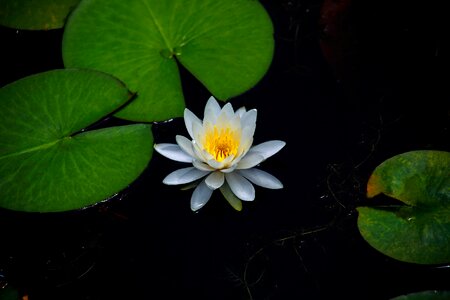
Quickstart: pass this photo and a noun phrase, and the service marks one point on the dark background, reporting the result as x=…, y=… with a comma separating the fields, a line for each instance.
x=352, y=83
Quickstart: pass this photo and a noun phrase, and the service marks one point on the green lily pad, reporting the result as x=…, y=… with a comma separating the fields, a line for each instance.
x=426, y=295
x=226, y=45
x=35, y=14
x=48, y=162
x=419, y=231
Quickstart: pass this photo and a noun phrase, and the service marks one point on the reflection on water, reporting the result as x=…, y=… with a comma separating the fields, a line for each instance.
x=340, y=98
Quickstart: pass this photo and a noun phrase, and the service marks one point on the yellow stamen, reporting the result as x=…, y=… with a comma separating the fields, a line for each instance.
x=221, y=142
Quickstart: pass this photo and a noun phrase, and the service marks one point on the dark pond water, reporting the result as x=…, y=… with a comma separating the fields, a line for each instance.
x=350, y=85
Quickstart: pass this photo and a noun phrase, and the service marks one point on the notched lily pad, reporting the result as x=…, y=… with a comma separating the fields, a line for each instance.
x=35, y=14
x=415, y=178
x=227, y=45
x=47, y=162
x=419, y=231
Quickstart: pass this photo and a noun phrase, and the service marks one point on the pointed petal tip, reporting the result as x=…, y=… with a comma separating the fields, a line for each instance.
x=195, y=208
x=173, y=152
x=241, y=111
x=237, y=206
x=168, y=181
x=278, y=144
x=212, y=98
x=279, y=187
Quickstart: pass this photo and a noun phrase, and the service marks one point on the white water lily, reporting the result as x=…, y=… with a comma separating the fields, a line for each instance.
x=220, y=152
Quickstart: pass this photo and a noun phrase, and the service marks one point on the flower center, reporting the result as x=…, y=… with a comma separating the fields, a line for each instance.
x=221, y=143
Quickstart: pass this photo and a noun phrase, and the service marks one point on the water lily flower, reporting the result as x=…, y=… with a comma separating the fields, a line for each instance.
x=221, y=155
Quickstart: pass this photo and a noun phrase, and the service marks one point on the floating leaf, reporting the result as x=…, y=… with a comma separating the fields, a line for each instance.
x=227, y=45
x=426, y=295
x=47, y=163
x=35, y=14
x=418, y=232
x=419, y=178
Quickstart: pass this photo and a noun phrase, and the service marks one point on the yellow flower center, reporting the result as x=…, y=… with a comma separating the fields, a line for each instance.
x=221, y=143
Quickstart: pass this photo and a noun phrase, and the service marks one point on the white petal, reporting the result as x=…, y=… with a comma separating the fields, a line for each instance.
x=228, y=161
x=234, y=123
x=246, y=139
x=250, y=160
x=225, y=116
x=261, y=178
x=240, y=112
x=202, y=155
x=215, y=164
x=267, y=149
x=185, y=144
x=202, y=166
x=184, y=175
x=215, y=180
x=200, y=196
x=229, y=170
x=249, y=118
x=227, y=109
x=198, y=131
x=190, y=119
x=240, y=186
x=208, y=126
x=212, y=111
x=224, y=164
x=173, y=151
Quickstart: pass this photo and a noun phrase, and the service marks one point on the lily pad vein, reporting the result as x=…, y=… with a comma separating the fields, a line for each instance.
x=32, y=149
x=158, y=26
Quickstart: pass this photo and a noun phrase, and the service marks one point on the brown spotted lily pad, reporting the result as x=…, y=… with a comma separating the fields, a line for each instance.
x=417, y=230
